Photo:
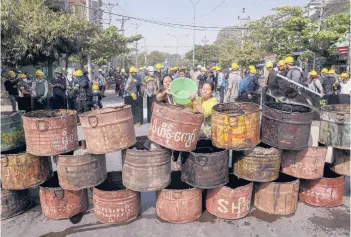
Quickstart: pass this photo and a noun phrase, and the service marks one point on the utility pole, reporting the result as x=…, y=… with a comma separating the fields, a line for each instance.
x=194, y=7
x=241, y=24
x=123, y=20
x=145, y=51
x=87, y=3
x=136, y=44
x=322, y=5
x=177, y=38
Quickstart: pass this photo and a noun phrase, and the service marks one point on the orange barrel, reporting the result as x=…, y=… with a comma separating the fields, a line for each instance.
x=113, y=203
x=108, y=130
x=50, y=132
x=325, y=192
x=236, y=125
x=278, y=197
x=232, y=201
x=179, y=203
x=341, y=163
x=305, y=164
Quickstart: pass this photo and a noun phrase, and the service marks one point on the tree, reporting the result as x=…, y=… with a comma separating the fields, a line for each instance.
x=204, y=54
x=156, y=57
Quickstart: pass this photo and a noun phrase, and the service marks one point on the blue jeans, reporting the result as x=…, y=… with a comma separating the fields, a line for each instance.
x=221, y=94
x=13, y=99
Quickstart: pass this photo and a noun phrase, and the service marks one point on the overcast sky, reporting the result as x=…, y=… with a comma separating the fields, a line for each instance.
x=219, y=13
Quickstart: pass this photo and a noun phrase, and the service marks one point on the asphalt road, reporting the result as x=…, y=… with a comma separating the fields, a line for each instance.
x=306, y=221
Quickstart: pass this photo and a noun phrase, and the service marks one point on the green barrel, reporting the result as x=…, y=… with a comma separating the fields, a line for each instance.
x=12, y=134
x=181, y=89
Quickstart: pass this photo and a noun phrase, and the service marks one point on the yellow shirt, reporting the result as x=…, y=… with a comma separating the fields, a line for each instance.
x=207, y=105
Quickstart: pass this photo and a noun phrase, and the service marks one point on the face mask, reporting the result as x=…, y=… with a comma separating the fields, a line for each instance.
x=151, y=73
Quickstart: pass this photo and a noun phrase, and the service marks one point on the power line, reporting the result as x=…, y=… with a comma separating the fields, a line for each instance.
x=214, y=9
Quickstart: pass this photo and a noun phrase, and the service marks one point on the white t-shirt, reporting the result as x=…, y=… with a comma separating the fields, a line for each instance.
x=345, y=87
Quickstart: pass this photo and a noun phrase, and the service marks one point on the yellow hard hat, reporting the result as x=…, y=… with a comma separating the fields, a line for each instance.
x=123, y=70
x=12, y=74
x=289, y=60
x=313, y=73
x=158, y=66
x=213, y=68
x=253, y=70
x=132, y=69
x=22, y=76
x=78, y=73
x=39, y=73
x=344, y=75
x=325, y=70
x=100, y=69
x=235, y=66
x=95, y=86
x=269, y=64
x=117, y=68
x=281, y=63
x=203, y=69
x=331, y=71
x=218, y=68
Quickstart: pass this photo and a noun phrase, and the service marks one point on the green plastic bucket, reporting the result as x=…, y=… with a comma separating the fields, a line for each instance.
x=181, y=89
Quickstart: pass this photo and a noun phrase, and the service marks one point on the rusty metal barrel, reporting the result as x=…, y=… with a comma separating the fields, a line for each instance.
x=341, y=163
x=179, y=203
x=146, y=170
x=334, y=129
x=12, y=133
x=260, y=164
x=174, y=127
x=206, y=167
x=286, y=126
x=109, y=129
x=325, y=192
x=58, y=203
x=14, y=202
x=23, y=170
x=235, y=125
x=80, y=171
x=232, y=201
x=50, y=132
x=113, y=203
x=278, y=197
x=305, y=164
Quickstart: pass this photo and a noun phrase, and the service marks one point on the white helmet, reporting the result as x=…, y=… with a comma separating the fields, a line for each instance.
x=150, y=69
x=199, y=66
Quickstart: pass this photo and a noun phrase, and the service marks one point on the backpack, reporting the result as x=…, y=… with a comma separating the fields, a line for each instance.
x=303, y=76
x=242, y=85
x=40, y=88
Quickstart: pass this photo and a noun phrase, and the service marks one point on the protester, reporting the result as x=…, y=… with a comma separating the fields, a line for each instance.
x=210, y=78
x=281, y=68
x=251, y=84
x=314, y=84
x=330, y=83
x=164, y=93
x=25, y=92
x=40, y=90
x=232, y=92
x=72, y=91
x=118, y=81
x=150, y=87
x=294, y=73
x=182, y=73
x=196, y=73
x=221, y=83
x=324, y=74
x=84, y=92
x=175, y=73
x=204, y=105
x=96, y=97
x=102, y=82
x=201, y=79
x=58, y=86
x=11, y=88
x=345, y=84
x=271, y=73
x=131, y=84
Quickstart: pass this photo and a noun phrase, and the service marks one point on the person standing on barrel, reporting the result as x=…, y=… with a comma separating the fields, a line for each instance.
x=150, y=87
x=40, y=90
x=84, y=92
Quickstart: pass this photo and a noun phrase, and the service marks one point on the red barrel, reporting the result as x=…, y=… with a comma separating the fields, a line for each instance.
x=325, y=192
x=232, y=201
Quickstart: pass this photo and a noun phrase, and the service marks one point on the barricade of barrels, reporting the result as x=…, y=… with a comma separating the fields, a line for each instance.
x=272, y=166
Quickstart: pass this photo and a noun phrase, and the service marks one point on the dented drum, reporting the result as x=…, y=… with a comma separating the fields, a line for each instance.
x=109, y=129
x=50, y=132
x=146, y=170
x=334, y=129
x=206, y=167
x=57, y=203
x=14, y=202
x=174, y=127
x=286, y=126
x=113, y=203
x=179, y=203
x=325, y=192
x=23, y=170
x=81, y=171
x=341, y=163
x=235, y=125
x=232, y=201
x=305, y=164
x=278, y=197
x=12, y=133
x=259, y=164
